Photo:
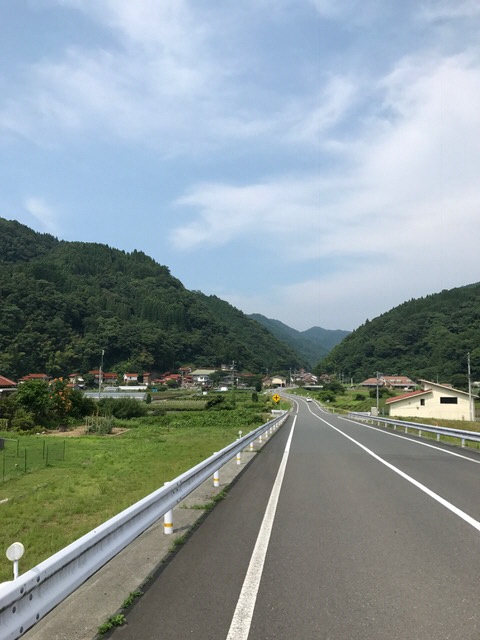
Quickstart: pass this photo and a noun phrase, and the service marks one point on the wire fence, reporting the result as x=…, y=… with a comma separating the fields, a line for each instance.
x=17, y=457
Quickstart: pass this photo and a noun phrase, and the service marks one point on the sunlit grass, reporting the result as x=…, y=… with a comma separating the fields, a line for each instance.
x=51, y=506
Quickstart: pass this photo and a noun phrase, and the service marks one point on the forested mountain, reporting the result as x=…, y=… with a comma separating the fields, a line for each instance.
x=426, y=338
x=313, y=344
x=61, y=303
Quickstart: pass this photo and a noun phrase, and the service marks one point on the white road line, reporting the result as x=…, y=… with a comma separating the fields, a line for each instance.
x=448, y=505
x=399, y=435
x=242, y=618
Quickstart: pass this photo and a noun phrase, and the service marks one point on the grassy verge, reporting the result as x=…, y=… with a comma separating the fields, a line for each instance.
x=50, y=506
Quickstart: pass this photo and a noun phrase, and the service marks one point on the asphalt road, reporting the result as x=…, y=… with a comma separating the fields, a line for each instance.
x=368, y=535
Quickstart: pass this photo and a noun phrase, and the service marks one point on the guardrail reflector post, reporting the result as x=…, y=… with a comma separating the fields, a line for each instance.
x=260, y=438
x=168, y=520
x=251, y=446
x=216, y=475
x=438, y=437
x=463, y=442
x=239, y=457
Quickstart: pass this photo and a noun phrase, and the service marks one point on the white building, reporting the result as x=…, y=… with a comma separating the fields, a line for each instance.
x=432, y=401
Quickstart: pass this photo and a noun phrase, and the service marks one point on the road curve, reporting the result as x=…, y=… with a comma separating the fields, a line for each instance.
x=371, y=535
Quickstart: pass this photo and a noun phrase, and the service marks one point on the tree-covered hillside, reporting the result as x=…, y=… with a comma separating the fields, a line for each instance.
x=425, y=338
x=61, y=303
x=313, y=344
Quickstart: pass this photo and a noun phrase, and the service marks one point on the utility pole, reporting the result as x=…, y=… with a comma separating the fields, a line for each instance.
x=471, y=404
x=100, y=375
x=233, y=382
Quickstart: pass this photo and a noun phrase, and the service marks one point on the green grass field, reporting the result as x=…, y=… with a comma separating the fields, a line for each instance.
x=95, y=477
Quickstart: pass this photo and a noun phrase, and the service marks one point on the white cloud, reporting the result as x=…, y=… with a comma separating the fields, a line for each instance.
x=400, y=216
x=309, y=123
x=42, y=212
x=449, y=9
x=155, y=82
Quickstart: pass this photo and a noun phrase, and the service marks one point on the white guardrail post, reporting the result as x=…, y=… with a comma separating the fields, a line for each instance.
x=27, y=599
x=216, y=475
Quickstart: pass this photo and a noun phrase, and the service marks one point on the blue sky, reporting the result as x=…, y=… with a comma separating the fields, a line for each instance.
x=316, y=161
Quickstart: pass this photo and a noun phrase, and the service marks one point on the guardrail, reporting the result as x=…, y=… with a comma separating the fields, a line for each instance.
x=27, y=599
x=463, y=435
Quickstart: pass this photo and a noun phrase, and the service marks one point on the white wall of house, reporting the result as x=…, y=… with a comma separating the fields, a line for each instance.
x=440, y=402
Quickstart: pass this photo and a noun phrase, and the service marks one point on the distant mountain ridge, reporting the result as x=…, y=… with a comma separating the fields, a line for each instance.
x=312, y=344
x=429, y=338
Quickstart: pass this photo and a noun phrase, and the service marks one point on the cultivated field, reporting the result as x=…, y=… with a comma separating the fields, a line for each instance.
x=88, y=479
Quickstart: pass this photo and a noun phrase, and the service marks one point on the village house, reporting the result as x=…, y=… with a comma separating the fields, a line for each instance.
x=434, y=400
x=35, y=376
x=76, y=380
x=390, y=382
x=202, y=376
x=107, y=378
x=274, y=381
x=6, y=386
x=130, y=378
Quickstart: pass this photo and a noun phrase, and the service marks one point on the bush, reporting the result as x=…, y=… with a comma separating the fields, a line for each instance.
x=123, y=408
x=81, y=405
x=100, y=425
x=157, y=411
x=327, y=396
x=359, y=397
x=215, y=402
x=383, y=392
x=335, y=386
x=23, y=420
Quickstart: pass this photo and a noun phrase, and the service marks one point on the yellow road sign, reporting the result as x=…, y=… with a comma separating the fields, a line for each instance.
x=276, y=397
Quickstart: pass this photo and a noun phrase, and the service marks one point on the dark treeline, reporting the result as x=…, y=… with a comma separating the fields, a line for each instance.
x=61, y=303
x=425, y=338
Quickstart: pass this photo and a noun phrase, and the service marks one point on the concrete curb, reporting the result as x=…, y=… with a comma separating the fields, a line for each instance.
x=80, y=615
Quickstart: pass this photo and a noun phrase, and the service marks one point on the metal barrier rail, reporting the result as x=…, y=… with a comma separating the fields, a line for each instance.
x=26, y=600
x=463, y=435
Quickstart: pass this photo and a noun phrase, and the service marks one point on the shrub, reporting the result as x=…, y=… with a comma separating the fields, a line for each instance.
x=383, y=392
x=23, y=420
x=81, y=405
x=327, y=396
x=215, y=402
x=100, y=425
x=123, y=408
